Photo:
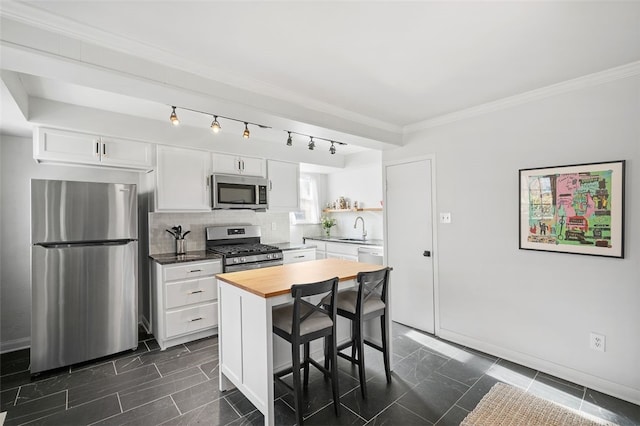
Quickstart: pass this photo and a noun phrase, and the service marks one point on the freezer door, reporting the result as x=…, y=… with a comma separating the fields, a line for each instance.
x=84, y=303
x=82, y=211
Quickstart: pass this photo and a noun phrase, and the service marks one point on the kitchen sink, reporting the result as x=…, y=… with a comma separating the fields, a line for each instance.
x=351, y=239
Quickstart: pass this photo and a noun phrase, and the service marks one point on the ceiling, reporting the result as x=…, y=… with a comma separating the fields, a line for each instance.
x=384, y=64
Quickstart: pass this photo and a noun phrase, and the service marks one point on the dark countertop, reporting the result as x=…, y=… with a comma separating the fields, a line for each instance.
x=292, y=246
x=190, y=256
x=367, y=242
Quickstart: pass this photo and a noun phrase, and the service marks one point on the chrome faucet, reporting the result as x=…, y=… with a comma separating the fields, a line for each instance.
x=364, y=231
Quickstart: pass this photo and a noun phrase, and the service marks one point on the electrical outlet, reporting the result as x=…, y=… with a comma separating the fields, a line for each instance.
x=445, y=217
x=597, y=342
x=274, y=227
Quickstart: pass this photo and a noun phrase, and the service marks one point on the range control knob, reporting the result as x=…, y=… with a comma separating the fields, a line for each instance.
x=269, y=256
x=243, y=259
x=236, y=260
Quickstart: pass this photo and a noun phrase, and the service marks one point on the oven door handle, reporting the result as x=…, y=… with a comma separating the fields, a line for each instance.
x=253, y=265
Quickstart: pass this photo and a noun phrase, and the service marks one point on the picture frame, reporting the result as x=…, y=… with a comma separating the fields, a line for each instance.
x=575, y=209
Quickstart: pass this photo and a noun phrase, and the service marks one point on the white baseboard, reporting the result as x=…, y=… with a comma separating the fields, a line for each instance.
x=14, y=345
x=596, y=383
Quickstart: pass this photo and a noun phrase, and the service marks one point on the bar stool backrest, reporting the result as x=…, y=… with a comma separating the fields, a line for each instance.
x=372, y=285
x=326, y=304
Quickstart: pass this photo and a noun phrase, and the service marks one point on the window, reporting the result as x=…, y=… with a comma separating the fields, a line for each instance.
x=309, y=201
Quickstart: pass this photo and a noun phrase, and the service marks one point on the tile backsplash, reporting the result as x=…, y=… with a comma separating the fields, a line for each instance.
x=274, y=227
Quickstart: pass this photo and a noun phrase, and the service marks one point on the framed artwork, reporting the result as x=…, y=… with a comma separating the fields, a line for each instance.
x=576, y=209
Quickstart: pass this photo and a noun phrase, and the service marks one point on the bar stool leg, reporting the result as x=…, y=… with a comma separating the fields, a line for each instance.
x=306, y=366
x=385, y=347
x=354, y=331
x=360, y=344
x=327, y=354
x=297, y=383
x=334, y=373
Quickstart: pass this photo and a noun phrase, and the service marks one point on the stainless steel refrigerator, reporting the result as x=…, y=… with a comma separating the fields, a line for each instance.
x=84, y=281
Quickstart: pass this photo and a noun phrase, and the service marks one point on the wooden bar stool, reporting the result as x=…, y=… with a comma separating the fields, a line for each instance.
x=301, y=322
x=367, y=302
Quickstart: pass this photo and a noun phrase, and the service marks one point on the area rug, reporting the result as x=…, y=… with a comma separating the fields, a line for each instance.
x=506, y=405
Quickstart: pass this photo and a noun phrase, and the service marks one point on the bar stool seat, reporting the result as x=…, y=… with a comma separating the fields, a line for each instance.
x=283, y=319
x=301, y=322
x=347, y=301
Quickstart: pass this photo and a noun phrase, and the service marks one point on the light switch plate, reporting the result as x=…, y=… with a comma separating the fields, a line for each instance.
x=445, y=217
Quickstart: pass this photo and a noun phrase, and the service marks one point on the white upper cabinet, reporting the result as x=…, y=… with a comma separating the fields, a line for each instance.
x=237, y=165
x=182, y=180
x=284, y=185
x=82, y=148
x=126, y=153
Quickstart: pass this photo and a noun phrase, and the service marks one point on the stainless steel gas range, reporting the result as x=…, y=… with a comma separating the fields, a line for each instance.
x=240, y=247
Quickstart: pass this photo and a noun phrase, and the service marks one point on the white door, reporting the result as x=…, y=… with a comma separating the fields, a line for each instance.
x=409, y=243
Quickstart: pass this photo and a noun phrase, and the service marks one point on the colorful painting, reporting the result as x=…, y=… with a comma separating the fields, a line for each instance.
x=573, y=209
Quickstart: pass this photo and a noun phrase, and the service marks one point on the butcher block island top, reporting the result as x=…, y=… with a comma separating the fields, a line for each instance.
x=277, y=280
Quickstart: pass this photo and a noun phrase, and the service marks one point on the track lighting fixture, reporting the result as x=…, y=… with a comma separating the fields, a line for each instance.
x=215, y=126
x=332, y=148
x=174, y=117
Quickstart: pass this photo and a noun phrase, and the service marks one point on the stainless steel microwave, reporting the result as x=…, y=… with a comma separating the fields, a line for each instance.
x=239, y=192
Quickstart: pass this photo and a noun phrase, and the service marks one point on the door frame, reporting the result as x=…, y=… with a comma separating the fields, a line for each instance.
x=434, y=226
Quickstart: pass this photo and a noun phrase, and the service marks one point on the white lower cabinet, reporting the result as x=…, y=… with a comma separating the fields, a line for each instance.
x=298, y=255
x=342, y=251
x=184, y=301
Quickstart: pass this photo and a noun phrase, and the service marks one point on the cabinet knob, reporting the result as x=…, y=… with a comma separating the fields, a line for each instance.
x=426, y=253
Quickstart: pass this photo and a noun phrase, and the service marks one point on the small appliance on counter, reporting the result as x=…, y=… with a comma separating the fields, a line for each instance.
x=84, y=262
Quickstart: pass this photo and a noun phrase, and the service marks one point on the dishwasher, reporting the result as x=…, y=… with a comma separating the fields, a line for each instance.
x=371, y=254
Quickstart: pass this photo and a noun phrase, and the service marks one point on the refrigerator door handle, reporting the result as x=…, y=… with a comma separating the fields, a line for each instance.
x=84, y=244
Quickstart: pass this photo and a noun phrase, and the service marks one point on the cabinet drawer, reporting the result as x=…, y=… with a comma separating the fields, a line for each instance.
x=191, y=270
x=295, y=256
x=343, y=248
x=191, y=319
x=184, y=293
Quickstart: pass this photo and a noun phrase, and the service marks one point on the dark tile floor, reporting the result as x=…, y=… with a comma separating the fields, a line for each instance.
x=434, y=382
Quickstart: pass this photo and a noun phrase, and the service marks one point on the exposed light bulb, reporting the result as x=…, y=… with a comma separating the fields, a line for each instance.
x=312, y=144
x=332, y=149
x=246, y=132
x=215, y=126
x=289, y=140
x=174, y=117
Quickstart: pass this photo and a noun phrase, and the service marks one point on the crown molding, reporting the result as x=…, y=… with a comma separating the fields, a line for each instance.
x=31, y=15
x=595, y=79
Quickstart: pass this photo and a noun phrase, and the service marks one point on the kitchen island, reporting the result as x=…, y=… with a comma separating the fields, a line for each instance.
x=245, y=300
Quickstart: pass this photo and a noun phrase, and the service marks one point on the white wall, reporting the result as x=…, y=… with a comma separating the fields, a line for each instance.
x=532, y=307
x=361, y=180
x=17, y=168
